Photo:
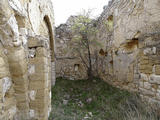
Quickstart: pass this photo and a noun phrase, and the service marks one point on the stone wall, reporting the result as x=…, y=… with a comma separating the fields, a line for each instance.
x=26, y=54
x=131, y=32
x=68, y=64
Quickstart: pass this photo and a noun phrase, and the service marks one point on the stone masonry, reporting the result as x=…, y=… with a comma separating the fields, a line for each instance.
x=68, y=64
x=26, y=59
x=130, y=33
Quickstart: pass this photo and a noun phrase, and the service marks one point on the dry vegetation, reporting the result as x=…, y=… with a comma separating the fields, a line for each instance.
x=96, y=100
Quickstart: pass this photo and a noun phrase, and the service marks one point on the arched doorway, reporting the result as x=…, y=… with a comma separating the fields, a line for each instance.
x=51, y=37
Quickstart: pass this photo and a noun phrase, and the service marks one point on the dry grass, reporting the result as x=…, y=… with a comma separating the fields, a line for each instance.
x=96, y=100
x=136, y=109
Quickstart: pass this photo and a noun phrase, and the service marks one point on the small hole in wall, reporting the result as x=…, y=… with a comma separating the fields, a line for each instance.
x=132, y=44
x=116, y=52
x=102, y=52
x=110, y=23
x=110, y=18
x=76, y=67
x=111, y=62
x=32, y=52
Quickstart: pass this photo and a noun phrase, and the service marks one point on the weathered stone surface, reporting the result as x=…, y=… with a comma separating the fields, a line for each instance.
x=147, y=85
x=26, y=41
x=157, y=69
x=38, y=60
x=6, y=84
x=2, y=63
x=154, y=79
x=3, y=72
x=32, y=94
x=147, y=92
x=31, y=69
x=41, y=52
x=135, y=35
x=144, y=77
x=129, y=31
x=37, y=41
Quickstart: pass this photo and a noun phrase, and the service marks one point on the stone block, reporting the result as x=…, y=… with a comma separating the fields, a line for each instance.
x=32, y=94
x=144, y=62
x=23, y=31
x=2, y=63
x=144, y=57
x=6, y=83
x=21, y=80
x=41, y=68
x=147, y=85
x=142, y=67
x=31, y=69
x=147, y=92
x=37, y=85
x=16, y=55
x=155, y=87
x=149, y=51
x=20, y=89
x=155, y=59
x=42, y=52
x=39, y=60
x=37, y=42
x=9, y=103
x=157, y=69
x=41, y=94
x=21, y=98
x=38, y=77
x=144, y=77
x=136, y=77
x=4, y=72
x=147, y=69
x=24, y=40
x=154, y=50
x=32, y=42
x=37, y=104
x=18, y=68
x=32, y=113
x=38, y=68
x=1, y=85
x=12, y=111
x=154, y=79
x=141, y=84
x=24, y=106
x=158, y=94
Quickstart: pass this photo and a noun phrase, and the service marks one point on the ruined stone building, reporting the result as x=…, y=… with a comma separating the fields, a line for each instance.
x=130, y=33
x=26, y=59
x=68, y=65
x=128, y=29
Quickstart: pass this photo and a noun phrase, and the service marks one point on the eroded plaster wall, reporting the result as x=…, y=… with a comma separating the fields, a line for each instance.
x=26, y=54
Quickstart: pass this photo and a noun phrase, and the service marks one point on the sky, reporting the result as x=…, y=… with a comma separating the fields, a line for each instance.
x=65, y=8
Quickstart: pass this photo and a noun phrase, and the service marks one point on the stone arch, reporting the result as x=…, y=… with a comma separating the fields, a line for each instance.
x=51, y=41
x=51, y=36
x=52, y=68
